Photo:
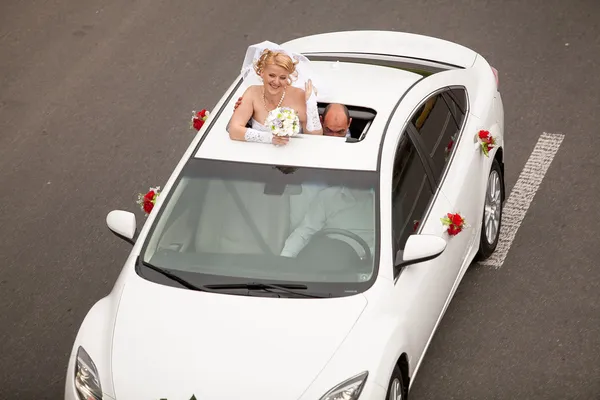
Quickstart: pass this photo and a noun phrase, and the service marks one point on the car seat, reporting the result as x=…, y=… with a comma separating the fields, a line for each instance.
x=239, y=218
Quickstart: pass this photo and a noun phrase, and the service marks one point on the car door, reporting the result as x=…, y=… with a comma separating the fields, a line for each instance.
x=420, y=289
x=447, y=137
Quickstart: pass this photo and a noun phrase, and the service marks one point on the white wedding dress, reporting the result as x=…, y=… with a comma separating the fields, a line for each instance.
x=258, y=126
x=258, y=132
x=254, y=134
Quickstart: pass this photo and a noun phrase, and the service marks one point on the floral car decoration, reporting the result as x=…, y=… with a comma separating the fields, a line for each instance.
x=486, y=141
x=455, y=223
x=198, y=119
x=147, y=201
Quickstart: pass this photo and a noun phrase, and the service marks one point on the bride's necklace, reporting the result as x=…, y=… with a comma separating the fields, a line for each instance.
x=265, y=100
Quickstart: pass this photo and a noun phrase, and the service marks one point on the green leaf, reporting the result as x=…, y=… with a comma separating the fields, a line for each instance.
x=446, y=221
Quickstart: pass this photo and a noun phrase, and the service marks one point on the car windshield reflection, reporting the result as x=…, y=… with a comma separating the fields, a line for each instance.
x=228, y=222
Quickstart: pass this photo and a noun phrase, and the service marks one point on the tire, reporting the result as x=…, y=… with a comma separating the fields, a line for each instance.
x=494, y=205
x=396, y=389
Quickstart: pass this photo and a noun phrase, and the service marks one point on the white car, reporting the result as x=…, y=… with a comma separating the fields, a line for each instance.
x=207, y=306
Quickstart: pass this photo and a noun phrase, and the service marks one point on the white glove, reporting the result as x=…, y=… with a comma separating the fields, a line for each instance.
x=313, y=123
x=253, y=135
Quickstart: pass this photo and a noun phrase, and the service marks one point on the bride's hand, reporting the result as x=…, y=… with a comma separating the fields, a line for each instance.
x=280, y=140
x=308, y=89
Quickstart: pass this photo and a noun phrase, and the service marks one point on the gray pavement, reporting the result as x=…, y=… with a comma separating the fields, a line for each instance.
x=95, y=99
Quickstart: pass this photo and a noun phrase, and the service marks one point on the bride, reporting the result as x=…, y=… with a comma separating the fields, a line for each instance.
x=281, y=73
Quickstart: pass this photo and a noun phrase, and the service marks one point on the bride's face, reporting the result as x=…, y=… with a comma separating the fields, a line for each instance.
x=275, y=78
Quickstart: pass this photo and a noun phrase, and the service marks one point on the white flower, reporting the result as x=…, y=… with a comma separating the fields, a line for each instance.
x=283, y=121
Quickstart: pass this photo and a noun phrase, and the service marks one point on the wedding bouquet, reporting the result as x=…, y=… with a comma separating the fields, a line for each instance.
x=283, y=121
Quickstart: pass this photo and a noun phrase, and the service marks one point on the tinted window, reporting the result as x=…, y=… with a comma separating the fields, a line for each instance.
x=228, y=222
x=456, y=99
x=411, y=192
x=437, y=128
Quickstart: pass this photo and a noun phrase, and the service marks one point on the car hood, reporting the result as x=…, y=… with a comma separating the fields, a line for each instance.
x=173, y=343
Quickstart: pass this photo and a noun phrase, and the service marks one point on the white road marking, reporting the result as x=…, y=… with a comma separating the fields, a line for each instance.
x=522, y=194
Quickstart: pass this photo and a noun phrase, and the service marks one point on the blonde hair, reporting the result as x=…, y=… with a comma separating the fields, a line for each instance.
x=279, y=58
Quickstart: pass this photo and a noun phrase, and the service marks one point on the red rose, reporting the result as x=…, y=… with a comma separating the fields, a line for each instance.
x=453, y=230
x=415, y=226
x=483, y=134
x=202, y=113
x=456, y=219
x=198, y=124
x=149, y=196
x=148, y=206
x=449, y=147
x=454, y=222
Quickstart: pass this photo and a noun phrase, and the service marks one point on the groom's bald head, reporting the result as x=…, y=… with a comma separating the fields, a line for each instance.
x=336, y=120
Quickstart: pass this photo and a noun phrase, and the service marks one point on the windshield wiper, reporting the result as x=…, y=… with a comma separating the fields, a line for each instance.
x=285, y=287
x=174, y=277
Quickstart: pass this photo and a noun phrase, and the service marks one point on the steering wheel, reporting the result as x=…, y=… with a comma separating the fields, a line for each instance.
x=351, y=235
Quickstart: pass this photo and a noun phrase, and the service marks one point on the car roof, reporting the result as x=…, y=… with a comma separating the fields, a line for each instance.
x=362, y=85
x=374, y=42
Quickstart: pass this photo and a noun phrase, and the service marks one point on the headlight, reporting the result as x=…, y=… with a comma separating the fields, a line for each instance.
x=347, y=390
x=87, y=381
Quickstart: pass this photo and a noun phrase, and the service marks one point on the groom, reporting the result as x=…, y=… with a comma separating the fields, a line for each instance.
x=335, y=119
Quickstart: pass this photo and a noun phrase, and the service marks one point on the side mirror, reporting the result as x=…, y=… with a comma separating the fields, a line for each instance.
x=420, y=248
x=122, y=224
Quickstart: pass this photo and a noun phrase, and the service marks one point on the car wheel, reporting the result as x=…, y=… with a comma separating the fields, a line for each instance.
x=396, y=389
x=492, y=212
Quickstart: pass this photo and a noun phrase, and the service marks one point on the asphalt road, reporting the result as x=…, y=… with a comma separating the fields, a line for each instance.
x=95, y=99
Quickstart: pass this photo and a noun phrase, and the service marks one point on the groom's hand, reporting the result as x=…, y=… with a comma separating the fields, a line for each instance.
x=237, y=104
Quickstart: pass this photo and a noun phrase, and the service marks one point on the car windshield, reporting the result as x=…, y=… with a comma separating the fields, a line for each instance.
x=234, y=223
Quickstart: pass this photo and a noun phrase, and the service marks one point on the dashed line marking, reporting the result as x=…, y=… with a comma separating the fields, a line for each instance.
x=522, y=194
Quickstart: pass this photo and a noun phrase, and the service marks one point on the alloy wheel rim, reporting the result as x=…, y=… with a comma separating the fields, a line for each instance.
x=395, y=390
x=492, y=207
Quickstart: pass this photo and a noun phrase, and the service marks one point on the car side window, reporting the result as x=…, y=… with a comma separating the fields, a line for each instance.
x=456, y=99
x=411, y=192
x=437, y=128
